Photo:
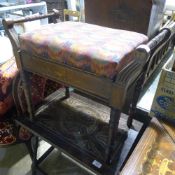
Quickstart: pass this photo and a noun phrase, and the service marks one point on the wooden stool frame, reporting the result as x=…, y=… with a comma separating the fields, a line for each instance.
x=121, y=95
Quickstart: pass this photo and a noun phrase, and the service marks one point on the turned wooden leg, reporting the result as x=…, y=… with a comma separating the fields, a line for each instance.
x=27, y=92
x=67, y=93
x=136, y=94
x=113, y=127
x=132, y=109
x=15, y=92
x=131, y=115
x=34, y=143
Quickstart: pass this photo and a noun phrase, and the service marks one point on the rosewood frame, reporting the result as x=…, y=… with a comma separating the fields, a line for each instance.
x=121, y=95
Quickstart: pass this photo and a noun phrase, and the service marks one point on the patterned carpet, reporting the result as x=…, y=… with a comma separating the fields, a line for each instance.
x=81, y=122
x=88, y=129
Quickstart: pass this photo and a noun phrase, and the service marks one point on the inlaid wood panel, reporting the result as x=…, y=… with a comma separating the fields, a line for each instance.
x=154, y=154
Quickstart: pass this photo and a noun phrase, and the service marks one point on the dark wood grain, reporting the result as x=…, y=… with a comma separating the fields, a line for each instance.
x=154, y=153
x=113, y=92
x=121, y=14
x=173, y=69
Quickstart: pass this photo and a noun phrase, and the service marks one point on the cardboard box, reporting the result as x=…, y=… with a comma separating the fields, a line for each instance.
x=164, y=100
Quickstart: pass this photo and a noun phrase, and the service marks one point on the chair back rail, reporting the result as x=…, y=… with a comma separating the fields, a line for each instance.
x=72, y=13
x=151, y=55
x=159, y=47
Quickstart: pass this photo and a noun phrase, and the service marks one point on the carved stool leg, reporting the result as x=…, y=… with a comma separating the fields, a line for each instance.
x=131, y=115
x=113, y=126
x=136, y=95
x=15, y=91
x=67, y=93
x=27, y=92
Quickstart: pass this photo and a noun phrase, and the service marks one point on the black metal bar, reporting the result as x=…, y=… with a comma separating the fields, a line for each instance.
x=34, y=142
x=29, y=148
x=135, y=143
x=44, y=156
x=38, y=169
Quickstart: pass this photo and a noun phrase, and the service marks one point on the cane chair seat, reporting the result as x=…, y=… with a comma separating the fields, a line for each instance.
x=99, y=50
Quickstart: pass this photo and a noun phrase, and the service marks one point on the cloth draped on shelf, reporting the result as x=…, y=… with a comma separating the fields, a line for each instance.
x=40, y=87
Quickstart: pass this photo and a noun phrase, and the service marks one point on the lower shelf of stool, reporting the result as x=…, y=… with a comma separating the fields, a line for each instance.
x=79, y=128
x=80, y=156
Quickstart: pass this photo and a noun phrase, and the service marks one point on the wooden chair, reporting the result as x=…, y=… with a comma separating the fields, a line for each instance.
x=117, y=89
x=72, y=13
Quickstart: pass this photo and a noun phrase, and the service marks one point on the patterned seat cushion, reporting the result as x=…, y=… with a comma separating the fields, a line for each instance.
x=100, y=50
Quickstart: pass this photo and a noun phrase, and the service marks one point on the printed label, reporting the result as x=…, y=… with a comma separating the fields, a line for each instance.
x=97, y=164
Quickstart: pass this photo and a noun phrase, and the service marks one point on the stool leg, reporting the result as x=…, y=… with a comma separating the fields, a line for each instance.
x=27, y=92
x=15, y=92
x=131, y=115
x=35, y=149
x=113, y=126
x=67, y=93
x=135, y=99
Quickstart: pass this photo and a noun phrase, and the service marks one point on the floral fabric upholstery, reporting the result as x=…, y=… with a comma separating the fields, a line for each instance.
x=6, y=134
x=40, y=87
x=100, y=50
x=8, y=72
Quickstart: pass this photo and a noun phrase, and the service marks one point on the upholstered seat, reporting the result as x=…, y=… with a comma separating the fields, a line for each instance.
x=99, y=50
